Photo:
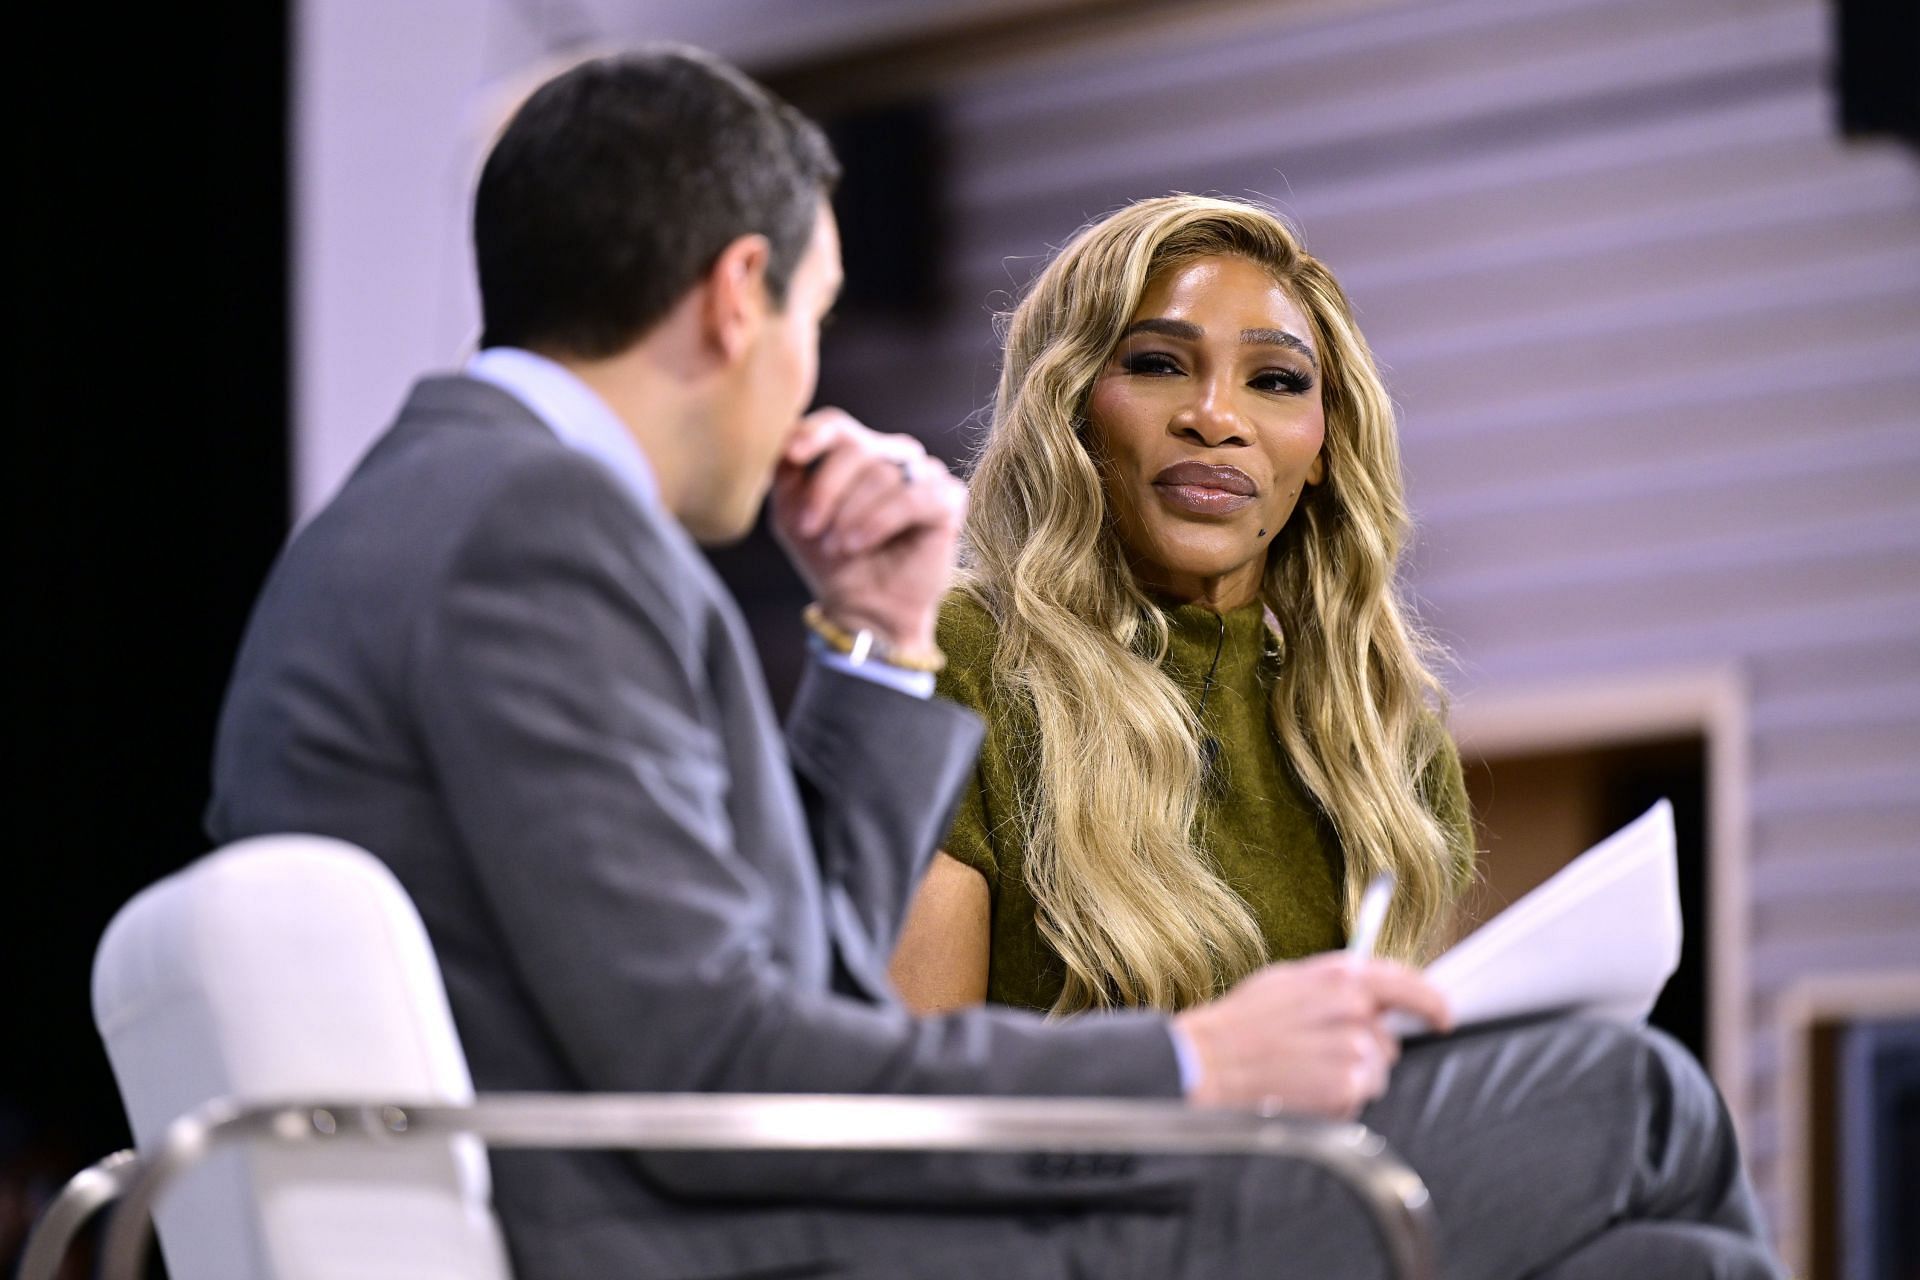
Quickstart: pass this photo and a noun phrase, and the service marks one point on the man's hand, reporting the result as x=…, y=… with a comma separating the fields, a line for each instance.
x=1307, y=1035
x=871, y=522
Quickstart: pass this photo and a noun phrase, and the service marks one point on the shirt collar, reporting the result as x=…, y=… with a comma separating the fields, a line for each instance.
x=572, y=411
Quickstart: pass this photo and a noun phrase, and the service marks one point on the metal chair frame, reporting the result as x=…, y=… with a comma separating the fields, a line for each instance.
x=1392, y=1194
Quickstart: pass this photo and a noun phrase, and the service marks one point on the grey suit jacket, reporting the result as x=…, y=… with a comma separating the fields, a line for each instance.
x=529, y=695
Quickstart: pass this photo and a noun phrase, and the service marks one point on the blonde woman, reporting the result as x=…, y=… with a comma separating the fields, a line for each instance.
x=1211, y=722
x=1183, y=533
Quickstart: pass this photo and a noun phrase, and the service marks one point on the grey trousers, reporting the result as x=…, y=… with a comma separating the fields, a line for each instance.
x=1564, y=1150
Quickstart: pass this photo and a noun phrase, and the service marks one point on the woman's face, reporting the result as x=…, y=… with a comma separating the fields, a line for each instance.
x=1208, y=421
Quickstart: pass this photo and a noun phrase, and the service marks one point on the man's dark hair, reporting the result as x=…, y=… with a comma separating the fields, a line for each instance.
x=619, y=182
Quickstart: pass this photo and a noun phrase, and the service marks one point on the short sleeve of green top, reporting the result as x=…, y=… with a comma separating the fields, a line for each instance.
x=1263, y=832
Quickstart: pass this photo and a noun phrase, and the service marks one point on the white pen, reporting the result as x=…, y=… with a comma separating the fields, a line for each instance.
x=1372, y=914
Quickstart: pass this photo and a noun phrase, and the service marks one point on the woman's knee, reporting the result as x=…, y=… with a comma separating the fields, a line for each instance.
x=1661, y=1063
x=1677, y=1080
x=1679, y=1097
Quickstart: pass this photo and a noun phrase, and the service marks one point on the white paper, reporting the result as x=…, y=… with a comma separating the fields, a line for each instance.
x=1598, y=939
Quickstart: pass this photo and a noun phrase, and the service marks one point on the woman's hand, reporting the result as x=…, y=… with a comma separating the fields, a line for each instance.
x=1307, y=1035
x=871, y=521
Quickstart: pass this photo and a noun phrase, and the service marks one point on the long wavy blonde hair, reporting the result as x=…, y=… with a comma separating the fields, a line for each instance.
x=1126, y=895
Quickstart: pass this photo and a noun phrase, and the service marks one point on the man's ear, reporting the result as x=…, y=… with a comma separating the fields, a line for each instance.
x=737, y=295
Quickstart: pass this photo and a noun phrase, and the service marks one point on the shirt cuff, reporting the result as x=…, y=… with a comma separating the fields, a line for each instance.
x=915, y=684
x=1188, y=1057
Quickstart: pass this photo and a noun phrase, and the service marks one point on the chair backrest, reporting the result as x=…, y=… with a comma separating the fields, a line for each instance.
x=280, y=968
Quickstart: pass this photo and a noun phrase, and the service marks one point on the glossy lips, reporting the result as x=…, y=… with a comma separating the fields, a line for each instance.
x=1205, y=490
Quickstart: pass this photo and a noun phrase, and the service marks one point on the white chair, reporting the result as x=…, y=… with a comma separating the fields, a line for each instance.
x=278, y=969
x=282, y=1041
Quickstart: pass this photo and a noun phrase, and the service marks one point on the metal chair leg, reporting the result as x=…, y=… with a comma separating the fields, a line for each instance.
x=83, y=1196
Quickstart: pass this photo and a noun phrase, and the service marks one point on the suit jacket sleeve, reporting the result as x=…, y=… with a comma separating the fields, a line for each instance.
x=562, y=700
x=880, y=773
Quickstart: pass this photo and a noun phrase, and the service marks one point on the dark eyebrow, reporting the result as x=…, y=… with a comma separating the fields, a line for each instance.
x=1279, y=338
x=1191, y=332
x=1166, y=328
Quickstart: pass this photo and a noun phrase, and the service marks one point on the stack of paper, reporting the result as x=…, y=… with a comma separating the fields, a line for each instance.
x=1599, y=939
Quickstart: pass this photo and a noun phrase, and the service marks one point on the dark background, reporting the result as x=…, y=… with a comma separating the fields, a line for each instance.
x=150, y=398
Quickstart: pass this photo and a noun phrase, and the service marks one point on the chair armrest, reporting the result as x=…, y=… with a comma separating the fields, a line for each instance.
x=1393, y=1195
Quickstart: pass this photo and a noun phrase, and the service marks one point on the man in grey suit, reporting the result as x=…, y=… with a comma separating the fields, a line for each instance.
x=498, y=661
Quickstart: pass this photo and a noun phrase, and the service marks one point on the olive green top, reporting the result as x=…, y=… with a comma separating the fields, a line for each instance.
x=1265, y=835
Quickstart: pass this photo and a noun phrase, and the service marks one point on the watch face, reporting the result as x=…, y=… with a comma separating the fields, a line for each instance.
x=861, y=648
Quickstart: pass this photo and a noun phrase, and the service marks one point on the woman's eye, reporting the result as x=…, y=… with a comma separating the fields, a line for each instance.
x=1290, y=381
x=1150, y=362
